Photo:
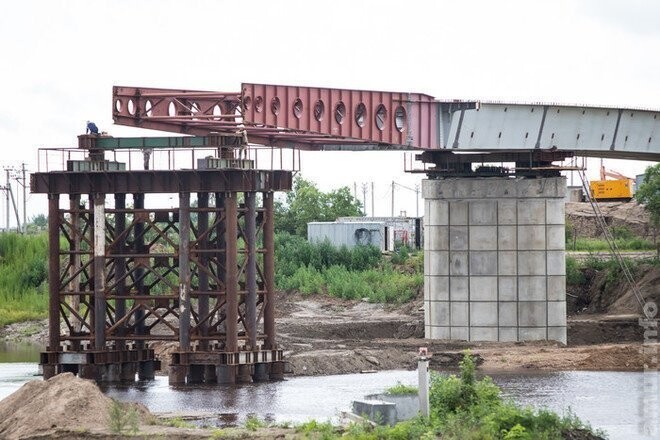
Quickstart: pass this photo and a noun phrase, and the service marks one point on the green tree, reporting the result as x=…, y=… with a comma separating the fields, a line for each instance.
x=648, y=194
x=306, y=203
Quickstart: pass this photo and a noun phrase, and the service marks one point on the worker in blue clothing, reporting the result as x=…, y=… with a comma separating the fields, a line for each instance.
x=92, y=128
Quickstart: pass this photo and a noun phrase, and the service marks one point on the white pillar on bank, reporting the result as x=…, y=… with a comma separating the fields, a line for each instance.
x=494, y=259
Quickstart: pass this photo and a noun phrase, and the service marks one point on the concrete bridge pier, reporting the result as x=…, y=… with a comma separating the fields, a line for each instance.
x=494, y=257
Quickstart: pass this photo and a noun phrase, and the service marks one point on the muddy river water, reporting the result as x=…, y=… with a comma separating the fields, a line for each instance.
x=611, y=401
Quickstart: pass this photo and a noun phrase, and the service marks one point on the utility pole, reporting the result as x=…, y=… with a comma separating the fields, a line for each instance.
x=24, y=199
x=417, y=200
x=7, y=187
x=393, y=198
x=355, y=190
x=372, y=200
x=364, y=198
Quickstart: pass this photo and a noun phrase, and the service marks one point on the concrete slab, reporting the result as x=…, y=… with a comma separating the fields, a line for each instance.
x=507, y=263
x=438, y=238
x=532, y=313
x=458, y=263
x=508, y=334
x=531, y=238
x=483, y=314
x=508, y=288
x=483, y=238
x=507, y=212
x=460, y=333
x=439, y=312
x=483, y=212
x=438, y=288
x=531, y=263
x=556, y=313
x=486, y=334
x=483, y=263
x=508, y=314
x=458, y=238
x=556, y=263
x=483, y=288
x=507, y=238
x=532, y=333
x=458, y=288
x=458, y=213
x=531, y=212
x=438, y=212
x=438, y=262
x=556, y=288
x=532, y=288
x=460, y=314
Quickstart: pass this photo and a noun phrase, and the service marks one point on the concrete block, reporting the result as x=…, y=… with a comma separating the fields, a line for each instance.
x=483, y=263
x=531, y=238
x=438, y=238
x=532, y=314
x=383, y=413
x=438, y=262
x=427, y=288
x=555, y=211
x=458, y=213
x=508, y=314
x=458, y=263
x=439, y=332
x=508, y=287
x=507, y=263
x=556, y=263
x=556, y=288
x=483, y=314
x=483, y=238
x=458, y=238
x=427, y=213
x=483, y=212
x=532, y=288
x=531, y=212
x=484, y=334
x=483, y=288
x=508, y=334
x=557, y=334
x=458, y=288
x=438, y=212
x=460, y=314
x=532, y=333
x=531, y=263
x=555, y=237
x=557, y=313
x=438, y=288
x=460, y=333
x=507, y=238
x=439, y=313
x=506, y=212
x=427, y=331
x=427, y=312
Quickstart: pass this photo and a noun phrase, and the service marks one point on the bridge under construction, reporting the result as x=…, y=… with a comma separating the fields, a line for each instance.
x=126, y=270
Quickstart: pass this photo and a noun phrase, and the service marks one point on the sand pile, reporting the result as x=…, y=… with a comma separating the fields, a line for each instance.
x=64, y=402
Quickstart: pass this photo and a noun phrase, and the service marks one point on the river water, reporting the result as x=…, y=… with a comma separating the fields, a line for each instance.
x=607, y=400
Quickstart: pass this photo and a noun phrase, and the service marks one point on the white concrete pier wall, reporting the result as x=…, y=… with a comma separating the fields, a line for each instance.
x=494, y=259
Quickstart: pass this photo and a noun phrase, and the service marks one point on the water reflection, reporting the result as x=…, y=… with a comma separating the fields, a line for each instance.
x=19, y=352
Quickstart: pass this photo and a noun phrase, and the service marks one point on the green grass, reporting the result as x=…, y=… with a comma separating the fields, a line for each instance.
x=401, y=390
x=23, y=274
x=584, y=244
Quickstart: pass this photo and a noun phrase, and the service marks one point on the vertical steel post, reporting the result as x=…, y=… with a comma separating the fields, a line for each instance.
x=184, y=271
x=99, y=271
x=203, y=259
x=53, y=272
x=138, y=244
x=231, y=275
x=120, y=262
x=269, y=271
x=220, y=246
x=251, y=268
x=74, y=247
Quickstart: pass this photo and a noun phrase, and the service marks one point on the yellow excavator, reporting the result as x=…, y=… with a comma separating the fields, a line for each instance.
x=620, y=188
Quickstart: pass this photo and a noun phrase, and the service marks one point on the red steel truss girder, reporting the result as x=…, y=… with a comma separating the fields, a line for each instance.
x=301, y=117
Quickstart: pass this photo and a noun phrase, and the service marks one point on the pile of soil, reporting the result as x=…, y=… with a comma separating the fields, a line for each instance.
x=617, y=214
x=62, y=403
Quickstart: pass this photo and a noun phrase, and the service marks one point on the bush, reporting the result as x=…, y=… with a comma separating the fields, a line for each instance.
x=401, y=390
x=574, y=275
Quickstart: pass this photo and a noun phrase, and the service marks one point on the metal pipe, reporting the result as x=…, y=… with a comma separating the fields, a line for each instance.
x=269, y=271
x=99, y=271
x=184, y=271
x=53, y=272
x=203, y=258
x=120, y=262
x=231, y=272
x=251, y=268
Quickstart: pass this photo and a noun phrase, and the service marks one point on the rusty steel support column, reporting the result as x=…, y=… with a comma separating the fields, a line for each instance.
x=74, y=247
x=251, y=268
x=269, y=271
x=203, y=259
x=184, y=271
x=53, y=275
x=220, y=246
x=138, y=247
x=231, y=275
x=120, y=264
x=99, y=271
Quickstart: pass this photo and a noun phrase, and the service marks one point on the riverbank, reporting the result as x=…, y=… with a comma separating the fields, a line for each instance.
x=322, y=335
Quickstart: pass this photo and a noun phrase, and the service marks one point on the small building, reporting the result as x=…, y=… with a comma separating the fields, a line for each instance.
x=385, y=233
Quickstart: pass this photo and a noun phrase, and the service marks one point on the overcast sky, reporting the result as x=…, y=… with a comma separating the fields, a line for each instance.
x=60, y=59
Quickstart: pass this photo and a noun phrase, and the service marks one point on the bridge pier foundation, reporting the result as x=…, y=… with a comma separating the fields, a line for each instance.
x=494, y=257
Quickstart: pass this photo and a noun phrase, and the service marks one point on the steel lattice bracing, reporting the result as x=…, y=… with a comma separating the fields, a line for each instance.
x=321, y=118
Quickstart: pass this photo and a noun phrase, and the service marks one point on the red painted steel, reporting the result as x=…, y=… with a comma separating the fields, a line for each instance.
x=288, y=116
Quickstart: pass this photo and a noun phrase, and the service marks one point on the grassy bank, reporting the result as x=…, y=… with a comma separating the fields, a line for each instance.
x=23, y=274
x=356, y=273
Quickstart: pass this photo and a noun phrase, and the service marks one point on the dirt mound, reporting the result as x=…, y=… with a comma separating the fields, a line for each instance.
x=617, y=214
x=63, y=402
x=649, y=287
